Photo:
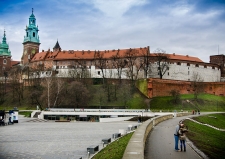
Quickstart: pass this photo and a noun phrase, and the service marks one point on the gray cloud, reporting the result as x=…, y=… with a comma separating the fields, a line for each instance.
x=103, y=25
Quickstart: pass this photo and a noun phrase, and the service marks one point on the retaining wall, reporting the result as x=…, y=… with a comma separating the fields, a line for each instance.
x=136, y=146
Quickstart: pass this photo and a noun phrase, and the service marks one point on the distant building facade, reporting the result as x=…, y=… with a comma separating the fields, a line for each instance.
x=132, y=63
x=220, y=60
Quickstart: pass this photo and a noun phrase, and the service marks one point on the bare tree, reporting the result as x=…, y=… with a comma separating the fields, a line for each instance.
x=15, y=75
x=57, y=89
x=146, y=65
x=100, y=96
x=73, y=71
x=118, y=63
x=125, y=93
x=197, y=84
x=48, y=83
x=32, y=78
x=138, y=67
x=162, y=61
x=100, y=62
x=176, y=95
x=131, y=56
x=77, y=95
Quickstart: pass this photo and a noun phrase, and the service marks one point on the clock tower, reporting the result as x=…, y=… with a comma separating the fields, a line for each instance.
x=31, y=40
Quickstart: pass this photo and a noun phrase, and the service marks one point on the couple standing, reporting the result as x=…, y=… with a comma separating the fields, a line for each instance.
x=180, y=135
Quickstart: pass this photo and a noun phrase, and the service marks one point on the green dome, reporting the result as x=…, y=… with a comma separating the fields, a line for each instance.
x=4, y=47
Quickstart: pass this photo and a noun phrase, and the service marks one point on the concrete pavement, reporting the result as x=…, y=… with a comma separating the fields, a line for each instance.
x=47, y=140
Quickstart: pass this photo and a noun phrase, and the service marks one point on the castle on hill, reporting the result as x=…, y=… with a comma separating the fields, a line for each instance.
x=130, y=63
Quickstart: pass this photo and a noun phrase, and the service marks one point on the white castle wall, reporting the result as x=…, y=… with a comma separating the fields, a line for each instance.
x=175, y=72
x=184, y=72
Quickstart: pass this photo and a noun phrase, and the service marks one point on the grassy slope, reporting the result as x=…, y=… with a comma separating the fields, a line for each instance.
x=205, y=102
x=212, y=142
x=26, y=114
x=115, y=150
x=217, y=120
x=142, y=85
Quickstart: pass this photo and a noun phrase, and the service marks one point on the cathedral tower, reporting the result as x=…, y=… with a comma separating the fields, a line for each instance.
x=5, y=56
x=31, y=40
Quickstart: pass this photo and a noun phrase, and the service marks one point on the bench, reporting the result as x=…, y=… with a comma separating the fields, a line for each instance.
x=106, y=141
x=92, y=149
x=116, y=135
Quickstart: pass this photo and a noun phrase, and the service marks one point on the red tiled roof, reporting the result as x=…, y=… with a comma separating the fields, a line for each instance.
x=180, y=57
x=72, y=54
x=184, y=58
x=40, y=56
x=13, y=63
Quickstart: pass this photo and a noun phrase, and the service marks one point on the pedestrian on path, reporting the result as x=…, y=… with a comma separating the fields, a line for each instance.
x=176, y=136
x=182, y=137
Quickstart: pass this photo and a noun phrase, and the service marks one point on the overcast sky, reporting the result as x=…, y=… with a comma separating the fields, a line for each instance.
x=186, y=27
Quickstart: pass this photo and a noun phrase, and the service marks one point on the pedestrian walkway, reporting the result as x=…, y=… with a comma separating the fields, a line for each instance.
x=160, y=142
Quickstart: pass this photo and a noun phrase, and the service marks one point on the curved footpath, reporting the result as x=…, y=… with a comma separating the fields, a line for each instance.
x=160, y=142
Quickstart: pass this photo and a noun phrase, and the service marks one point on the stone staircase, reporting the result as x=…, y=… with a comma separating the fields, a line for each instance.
x=37, y=120
x=36, y=114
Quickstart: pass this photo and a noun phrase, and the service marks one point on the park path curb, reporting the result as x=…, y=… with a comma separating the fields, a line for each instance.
x=136, y=146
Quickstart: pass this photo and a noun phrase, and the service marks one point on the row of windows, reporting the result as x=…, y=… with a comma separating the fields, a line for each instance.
x=196, y=65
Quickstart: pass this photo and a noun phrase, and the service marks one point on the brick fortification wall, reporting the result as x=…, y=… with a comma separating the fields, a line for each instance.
x=162, y=87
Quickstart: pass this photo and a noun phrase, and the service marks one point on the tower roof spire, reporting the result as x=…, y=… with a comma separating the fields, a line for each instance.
x=4, y=47
x=32, y=30
x=57, y=46
x=4, y=38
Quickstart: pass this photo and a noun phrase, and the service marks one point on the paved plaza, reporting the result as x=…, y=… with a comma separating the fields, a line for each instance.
x=54, y=140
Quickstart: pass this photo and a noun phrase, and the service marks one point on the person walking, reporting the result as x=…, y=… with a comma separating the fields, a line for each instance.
x=176, y=136
x=182, y=137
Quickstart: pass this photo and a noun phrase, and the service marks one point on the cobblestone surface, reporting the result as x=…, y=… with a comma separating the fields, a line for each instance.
x=54, y=140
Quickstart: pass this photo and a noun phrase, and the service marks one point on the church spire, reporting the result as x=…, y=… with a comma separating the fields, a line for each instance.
x=57, y=46
x=4, y=38
x=4, y=47
x=32, y=30
x=31, y=40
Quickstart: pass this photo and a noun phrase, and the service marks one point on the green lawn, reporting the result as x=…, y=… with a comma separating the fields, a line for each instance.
x=205, y=102
x=115, y=150
x=217, y=120
x=208, y=140
x=26, y=114
x=142, y=85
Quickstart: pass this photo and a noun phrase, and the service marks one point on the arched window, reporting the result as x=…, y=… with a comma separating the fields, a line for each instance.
x=33, y=34
x=4, y=61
